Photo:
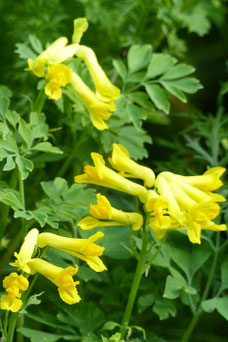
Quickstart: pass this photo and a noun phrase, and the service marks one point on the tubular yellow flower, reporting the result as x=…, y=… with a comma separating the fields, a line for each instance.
x=190, y=202
x=84, y=249
x=26, y=251
x=209, y=181
x=105, y=90
x=61, y=277
x=104, y=210
x=102, y=175
x=121, y=161
x=13, y=284
x=56, y=53
x=59, y=76
x=99, y=111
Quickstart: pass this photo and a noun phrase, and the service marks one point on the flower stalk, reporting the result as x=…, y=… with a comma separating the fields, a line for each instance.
x=136, y=281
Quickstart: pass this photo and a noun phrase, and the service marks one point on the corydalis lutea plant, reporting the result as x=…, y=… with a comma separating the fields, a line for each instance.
x=49, y=64
x=170, y=202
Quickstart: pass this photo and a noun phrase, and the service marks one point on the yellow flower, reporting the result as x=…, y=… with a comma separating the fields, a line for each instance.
x=59, y=75
x=99, y=111
x=56, y=53
x=104, y=210
x=160, y=221
x=61, y=277
x=121, y=161
x=26, y=251
x=13, y=284
x=84, y=249
x=105, y=90
x=102, y=175
x=191, y=205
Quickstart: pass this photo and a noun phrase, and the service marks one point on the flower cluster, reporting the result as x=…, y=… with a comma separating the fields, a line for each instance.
x=84, y=249
x=171, y=201
x=13, y=284
x=49, y=64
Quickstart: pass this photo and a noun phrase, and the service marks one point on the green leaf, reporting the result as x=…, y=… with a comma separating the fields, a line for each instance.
x=87, y=317
x=189, y=85
x=38, y=125
x=25, y=166
x=175, y=284
x=187, y=256
x=134, y=139
x=9, y=165
x=120, y=68
x=140, y=98
x=145, y=302
x=4, y=129
x=35, y=43
x=159, y=96
x=39, y=215
x=25, y=132
x=32, y=300
x=164, y=308
x=135, y=78
x=110, y=325
x=136, y=115
x=4, y=105
x=159, y=64
x=39, y=336
x=224, y=273
x=172, y=89
x=178, y=71
x=47, y=147
x=138, y=57
x=11, y=197
x=220, y=304
x=24, y=51
x=13, y=117
x=197, y=21
x=5, y=91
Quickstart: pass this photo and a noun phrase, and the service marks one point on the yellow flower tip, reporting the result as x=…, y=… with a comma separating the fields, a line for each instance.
x=37, y=66
x=96, y=264
x=10, y=303
x=67, y=286
x=80, y=26
x=26, y=251
x=121, y=161
x=88, y=223
x=102, y=209
x=215, y=173
x=138, y=221
x=16, y=281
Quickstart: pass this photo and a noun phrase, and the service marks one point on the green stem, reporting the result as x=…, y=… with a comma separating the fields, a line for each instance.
x=6, y=322
x=34, y=279
x=12, y=325
x=196, y=318
x=40, y=101
x=6, y=208
x=12, y=246
x=136, y=281
x=20, y=321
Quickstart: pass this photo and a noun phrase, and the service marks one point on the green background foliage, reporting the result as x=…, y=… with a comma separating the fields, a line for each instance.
x=169, y=58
